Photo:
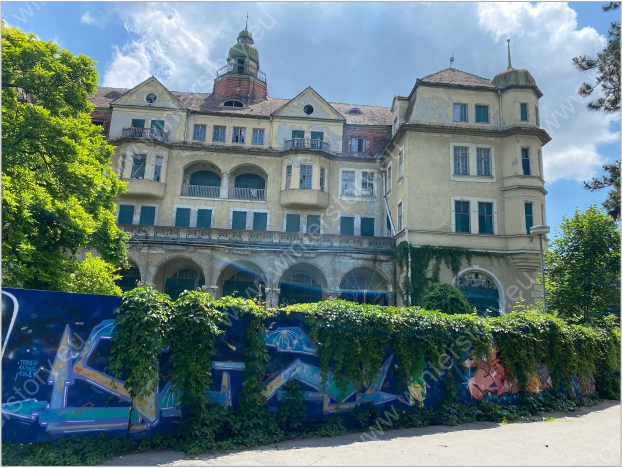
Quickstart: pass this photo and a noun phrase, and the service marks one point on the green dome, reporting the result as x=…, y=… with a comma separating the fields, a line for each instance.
x=513, y=77
x=244, y=50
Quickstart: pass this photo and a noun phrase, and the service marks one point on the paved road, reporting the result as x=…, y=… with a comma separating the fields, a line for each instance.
x=587, y=437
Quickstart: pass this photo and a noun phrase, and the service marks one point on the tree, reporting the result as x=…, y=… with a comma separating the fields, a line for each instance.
x=583, y=266
x=58, y=189
x=447, y=299
x=92, y=276
x=608, y=64
x=610, y=179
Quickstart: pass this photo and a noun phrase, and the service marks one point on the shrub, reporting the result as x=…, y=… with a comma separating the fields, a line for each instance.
x=447, y=299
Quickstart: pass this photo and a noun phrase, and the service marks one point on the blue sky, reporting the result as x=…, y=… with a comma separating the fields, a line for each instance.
x=359, y=53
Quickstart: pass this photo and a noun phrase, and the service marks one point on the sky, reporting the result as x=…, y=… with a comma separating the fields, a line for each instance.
x=359, y=53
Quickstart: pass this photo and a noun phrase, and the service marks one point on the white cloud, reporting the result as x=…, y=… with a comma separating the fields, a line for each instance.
x=88, y=19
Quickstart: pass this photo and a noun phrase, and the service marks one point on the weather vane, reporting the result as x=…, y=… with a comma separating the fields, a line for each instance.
x=451, y=61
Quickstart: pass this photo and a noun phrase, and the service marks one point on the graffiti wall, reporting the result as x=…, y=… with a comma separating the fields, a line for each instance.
x=55, y=349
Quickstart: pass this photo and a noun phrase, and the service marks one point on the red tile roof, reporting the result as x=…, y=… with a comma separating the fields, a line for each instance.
x=451, y=76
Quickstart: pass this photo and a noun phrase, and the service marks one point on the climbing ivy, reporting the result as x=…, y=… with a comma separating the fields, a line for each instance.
x=420, y=259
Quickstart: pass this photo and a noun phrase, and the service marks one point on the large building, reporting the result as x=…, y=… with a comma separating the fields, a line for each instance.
x=302, y=199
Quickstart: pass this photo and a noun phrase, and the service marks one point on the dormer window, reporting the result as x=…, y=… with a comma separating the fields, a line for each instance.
x=233, y=104
x=151, y=98
x=113, y=95
x=354, y=112
x=240, y=65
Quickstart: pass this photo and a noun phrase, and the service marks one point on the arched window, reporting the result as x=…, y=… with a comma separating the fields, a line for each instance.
x=129, y=277
x=244, y=284
x=184, y=279
x=233, y=104
x=113, y=95
x=481, y=292
x=354, y=112
x=364, y=286
x=301, y=288
x=251, y=181
x=205, y=178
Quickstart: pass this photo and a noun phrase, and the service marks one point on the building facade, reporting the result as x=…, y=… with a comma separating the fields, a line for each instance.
x=300, y=199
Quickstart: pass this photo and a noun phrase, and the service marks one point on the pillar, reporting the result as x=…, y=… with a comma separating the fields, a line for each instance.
x=224, y=185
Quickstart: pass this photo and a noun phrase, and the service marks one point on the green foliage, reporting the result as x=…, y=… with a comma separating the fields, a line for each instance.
x=453, y=412
x=364, y=414
x=292, y=412
x=608, y=65
x=58, y=189
x=448, y=299
x=610, y=179
x=92, y=276
x=583, y=266
x=333, y=427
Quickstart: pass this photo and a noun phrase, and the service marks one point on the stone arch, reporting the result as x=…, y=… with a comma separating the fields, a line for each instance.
x=201, y=178
x=302, y=283
x=478, y=292
x=365, y=285
x=130, y=275
x=242, y=279
x=176, y=274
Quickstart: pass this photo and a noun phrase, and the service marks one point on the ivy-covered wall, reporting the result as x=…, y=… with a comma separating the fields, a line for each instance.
x=57, y=350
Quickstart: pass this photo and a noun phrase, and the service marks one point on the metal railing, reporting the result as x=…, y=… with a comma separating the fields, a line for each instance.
x=154, y=133
x=236, y=193
x=203, y=191
x=261, y=76
x=306, y=143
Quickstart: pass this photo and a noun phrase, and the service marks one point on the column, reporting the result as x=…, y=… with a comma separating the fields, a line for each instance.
x=224, y=185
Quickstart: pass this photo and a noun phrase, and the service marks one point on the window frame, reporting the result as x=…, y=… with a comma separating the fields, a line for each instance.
x=155, y=214
x=531, y=215
x=466, y=112
x=300, y=219
x=484, y=160
x=353, y=181
x=306, y=176
x=241, y=135
x=219, y=128
x=400, y=166
x=485, y=215
x=364, y=143
x=364, y=182
x=194, y=132
x=340, y=219
x=521, y=104
x=157, y=174
x=526, y=150
x=306, y=224
x=460, y=165
x=256, y=133
x=239, y=210
x=143, y=166
x=322, y=179
x=400, y=215
x=288, y=176
x=487, y=113
x=472, y=176
x=260, y=211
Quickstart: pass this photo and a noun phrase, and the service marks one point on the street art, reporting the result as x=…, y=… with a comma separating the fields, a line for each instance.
x=56, y=349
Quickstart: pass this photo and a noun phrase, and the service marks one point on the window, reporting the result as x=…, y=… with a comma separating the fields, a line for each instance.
x=537, y=116
x=528, y=216
x=113, y=95
x=460, y=113
x=461, y=160
x=298, y=134
x=182, y=217
x=99, y=123
x=288, y=177
x=138, y=123
x=157, y=124
x=199, y=132
x=400, y=164
x=147, y=216
x=526, y=162
x=233, y=104
x=260, y=221
x=204, y=218
x=306, y=177
x=240, y=65
x=400, y=216
x=347, y=183
x=151, y=98
x=313, y=224
x=219, y=133
x=238, y=220
x=481, y=114
x=358, y=145
x=292, y=223
x=138, y=166
x=347, y=225
x=389, y=178
x=316, y=138
x=485, y=218
x=322, y=179
x=354, y=112
x=483, y=162
x=308, y=109
x=298, y=137
x=126, y=214
x=258, y=136
x=462, y=216
x=524, y=114
x=239, y=135
x=368, y=184
x=389, y=224
x=157, y=171
x=367, y=227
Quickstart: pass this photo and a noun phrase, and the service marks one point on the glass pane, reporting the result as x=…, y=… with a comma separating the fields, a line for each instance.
x=147, y=216
x=313, y=224
x=182, y=217
x=239, y=220
x=367, y=226
x=138, y=123
x=292, y=223
x=204, y=219
x=126, y=214
x=347, y=226
x=157, y=124
x=523, y=112
x=260, y=221
x=298, y=134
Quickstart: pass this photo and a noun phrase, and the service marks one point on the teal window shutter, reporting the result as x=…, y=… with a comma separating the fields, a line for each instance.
x=462, y=217
x=388, y=223
x=298, y=134
x=317, y=136
x=138, y=123
x=347, y=225
x=481, y=114
x=157, y=124
x=529, y=216
x=367, y=227
x=292, y=223
x=204, y=218
x=147, y=216
x=126, y=214
x=524, y=115
x=313, y=224
x=239, y=220
x=260, y=221
x=205, y=178
x=485, y=218
x=182, y=217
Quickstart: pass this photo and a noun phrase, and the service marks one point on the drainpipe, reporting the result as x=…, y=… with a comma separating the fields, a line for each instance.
x=186, y=126
x=408, y=266
x=386, y=204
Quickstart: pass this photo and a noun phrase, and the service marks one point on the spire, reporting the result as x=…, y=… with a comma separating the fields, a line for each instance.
x=451, y=60
x=246, y=28
x=509, y=58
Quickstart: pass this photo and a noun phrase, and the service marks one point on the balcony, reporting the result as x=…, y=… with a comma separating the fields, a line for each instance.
x=261, y=76
x=282, y=240
x=143, y=189
x=304, y=199
x=306, y=143
x=200, y=191
x=234, y=193
x=151, y=133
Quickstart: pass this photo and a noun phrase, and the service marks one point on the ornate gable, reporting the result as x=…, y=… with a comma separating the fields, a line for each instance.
x=149, y=93
x=309, y=104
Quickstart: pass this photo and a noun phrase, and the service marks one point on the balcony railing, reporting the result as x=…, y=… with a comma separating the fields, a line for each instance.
x=154, y=133
x=261, y=76
x=307, y=143
x=236, y=193
x=202, y=191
